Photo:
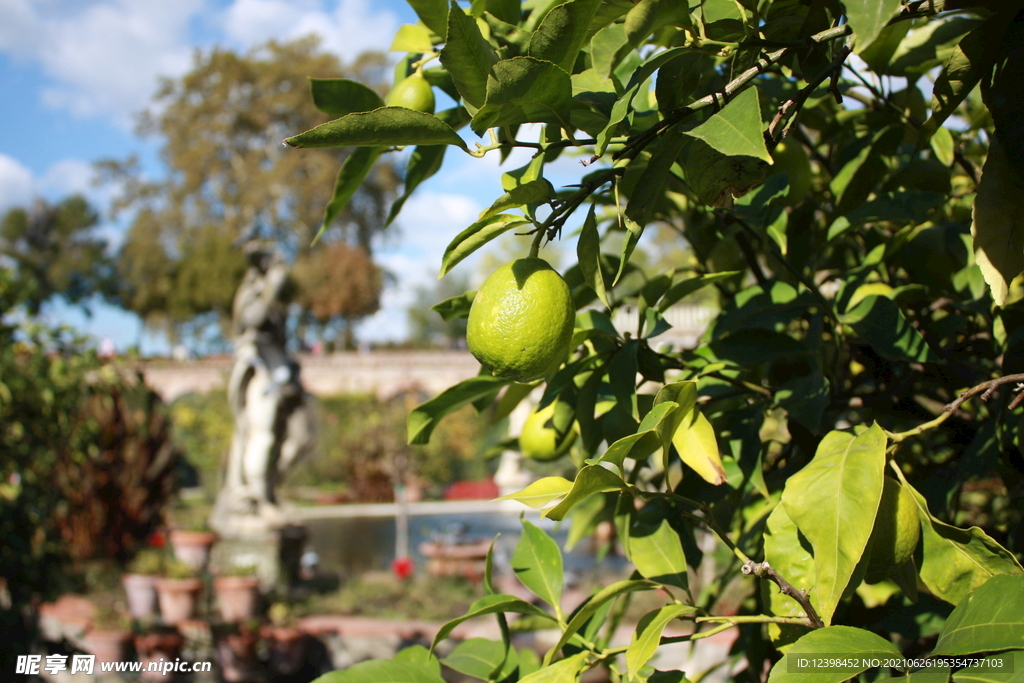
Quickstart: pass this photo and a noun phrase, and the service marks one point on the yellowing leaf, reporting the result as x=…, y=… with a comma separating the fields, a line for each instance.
x=697, y=446
x=998, y=227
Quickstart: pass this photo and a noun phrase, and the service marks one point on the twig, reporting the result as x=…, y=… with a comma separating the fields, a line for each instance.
x=986, y=389
x=796, y=103
x=764, y=570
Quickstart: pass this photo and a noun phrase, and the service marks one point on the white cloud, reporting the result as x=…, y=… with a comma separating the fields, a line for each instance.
x=351, y=27
x=16, y=184
x=68, y=176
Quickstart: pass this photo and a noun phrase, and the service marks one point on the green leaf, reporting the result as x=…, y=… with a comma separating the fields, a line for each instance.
x=433, y=13
x=595, y=603
x=588, y=254
x=867, y=18
x=855, y=180
x=943, y=146
x=542, y=492
x=620, y=110
x=387, y=126
x=420, y=656
x=564, y=671
x=563, y=31
x=524, y=90
x=383, y=671
x=715, y=177
x=902, y=206
x=998, y=225
x=482, y=658
x=467, y=56
x=455, y=307
x=650, y=15
x=539, y=190
x=339, y=96
x=832, y=641
x=507, y=11
x=350, y=176
x=989, y=671
x=783, y=548
x=637, y=446
x=589, y=480
x=736, y=130
x=971, y=59
x=650, y=188
x=491, y=604
x=537, y=563
x=879, y=321
x=424, y=417
x=476, y=236
x=989, y=619
x=607, y=48
x=657, y=553
x=833, y=501
x=683, y=289
x=647, y=637
x=411, y=38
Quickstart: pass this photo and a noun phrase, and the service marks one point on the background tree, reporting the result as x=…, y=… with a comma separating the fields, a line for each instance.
x=56, y=253
x=229, y=179
x=869, y=278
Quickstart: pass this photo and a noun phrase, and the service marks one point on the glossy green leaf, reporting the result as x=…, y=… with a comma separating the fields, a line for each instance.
x=647, y=636
x=563, y=31
x=537, y=563
x=879, y=321
x=433, y=13
x=833, y=500
x=943, y=146
x=650, y=15
x=411, y=38
x=855, y=181
x=619, y=112
x=524, y=90
x=718, y=178
x=424, y=417
x=424, y=162
x=387, y=126
x=564, y=671
x=383, y=671
x=957, y=561
x=482, y=658
x=507, y=11
x=832, y=641
x=596, y=602
x=491, y=604
x=339, y=96
x=636, y=446
x=783, y=548
x=589, y=480
x=657, y=553
x=476, y=236
x=607, y=48
x=736, y=130
x=588, y=255
x=542, y=492
x=539, y=190
x=867, y=18
x=989, y=673
x=420, y=656
x=351, y=175
x=989, y=619
x=455, y=307
x=467, y=56
x=998, y=226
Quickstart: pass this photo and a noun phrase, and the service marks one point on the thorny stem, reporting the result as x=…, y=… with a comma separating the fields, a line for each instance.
x=986, y=389
x=763, y=570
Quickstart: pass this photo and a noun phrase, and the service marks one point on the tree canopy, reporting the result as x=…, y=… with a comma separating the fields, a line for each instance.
x=228, y=179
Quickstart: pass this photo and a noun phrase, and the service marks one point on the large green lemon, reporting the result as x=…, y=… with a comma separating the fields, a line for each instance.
x=521, y=321
x=896, y=533
x=792, y=158
x=413, y=92
x=539, y=440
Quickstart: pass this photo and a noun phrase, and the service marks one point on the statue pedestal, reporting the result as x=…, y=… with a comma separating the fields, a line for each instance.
x=275, y=554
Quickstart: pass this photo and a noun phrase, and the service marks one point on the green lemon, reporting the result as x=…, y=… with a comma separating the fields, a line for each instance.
x=413, y=92
x=521, y=321
x=792, y=158
x=539, y=441
x=896, y=533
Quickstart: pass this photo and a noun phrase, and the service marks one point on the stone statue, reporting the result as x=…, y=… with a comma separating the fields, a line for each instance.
x=273, y=415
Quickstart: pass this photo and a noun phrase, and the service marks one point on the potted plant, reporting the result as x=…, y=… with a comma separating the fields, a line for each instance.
x=237, y=590
x=178, y=591
x=286, y=641
x=235, y=650
x=158, y=643
x=192, y=544
x=109, y=634
x=140, y=583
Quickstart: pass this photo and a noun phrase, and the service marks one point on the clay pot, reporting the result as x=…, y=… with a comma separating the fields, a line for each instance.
x=108, y=646
x=153, y=646
x=141, y=592
x=193, y=547
x=237, y=596
x=178, y=598
x=287, y=648
x=236, y=656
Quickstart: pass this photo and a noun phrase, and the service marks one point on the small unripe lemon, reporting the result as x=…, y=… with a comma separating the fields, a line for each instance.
x=539, y=440
x=792, y=158
x=412, y=92
x=896, y=532
x=521, y=321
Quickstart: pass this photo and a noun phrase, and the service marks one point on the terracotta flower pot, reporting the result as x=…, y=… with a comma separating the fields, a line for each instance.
x=237, y=596
x=287, y=648
x=153, y=646
x=108, y=646
x=141, y=592
x=193, y=547
x=178, y=598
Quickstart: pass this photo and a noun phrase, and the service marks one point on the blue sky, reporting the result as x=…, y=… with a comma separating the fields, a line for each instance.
x=74, y=72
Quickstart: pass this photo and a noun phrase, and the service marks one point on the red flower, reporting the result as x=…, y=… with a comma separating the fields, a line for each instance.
x=156, y=540
x=402, y=567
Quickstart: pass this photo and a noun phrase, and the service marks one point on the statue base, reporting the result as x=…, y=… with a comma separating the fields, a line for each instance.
x=274, y=552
